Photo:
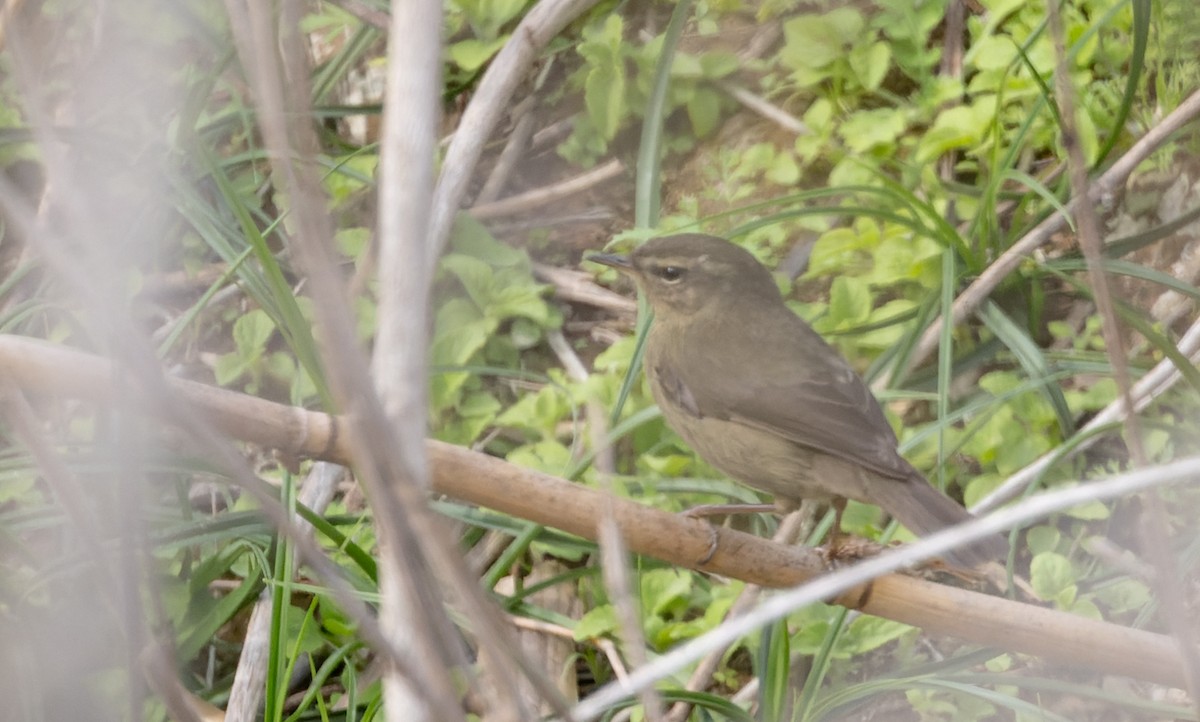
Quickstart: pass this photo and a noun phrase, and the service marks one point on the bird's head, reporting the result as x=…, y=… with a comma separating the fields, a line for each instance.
x=685, y=274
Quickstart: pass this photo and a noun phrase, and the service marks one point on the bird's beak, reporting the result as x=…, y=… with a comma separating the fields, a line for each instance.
x=621, y=263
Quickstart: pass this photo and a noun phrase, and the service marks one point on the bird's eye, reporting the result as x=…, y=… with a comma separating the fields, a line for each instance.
x=670, y=274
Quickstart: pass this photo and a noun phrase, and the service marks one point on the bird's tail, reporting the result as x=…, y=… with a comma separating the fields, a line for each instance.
x=923, y=510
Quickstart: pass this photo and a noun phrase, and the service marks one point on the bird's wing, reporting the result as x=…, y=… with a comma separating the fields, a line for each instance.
x=814, y=400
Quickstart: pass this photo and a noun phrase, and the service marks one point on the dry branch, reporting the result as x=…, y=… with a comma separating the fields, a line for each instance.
x=487, y=481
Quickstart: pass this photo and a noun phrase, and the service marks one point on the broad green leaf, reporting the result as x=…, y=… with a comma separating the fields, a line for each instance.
x=704, y=111
x=1052, y=578
x=836, y=250
x=472, y=238
x=665, y=591
x=849, y=301
x=717, y=65
x=251, y=332
x=815, y=41
x=599, y=621
x=604, y=84
x=783, y=169
x=957, y=127
x=472, y=53
x=868, y=633
x=1091, y=511
x=1124, y=595
x=867, y=129
x=1043, y=538
x=547, y=455
x=870, y=64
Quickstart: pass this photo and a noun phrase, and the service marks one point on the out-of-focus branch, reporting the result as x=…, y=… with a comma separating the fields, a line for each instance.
x=274, y=58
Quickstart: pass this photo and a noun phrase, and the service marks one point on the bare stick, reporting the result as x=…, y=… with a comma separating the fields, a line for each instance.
x=514, y=149
x=538, y=197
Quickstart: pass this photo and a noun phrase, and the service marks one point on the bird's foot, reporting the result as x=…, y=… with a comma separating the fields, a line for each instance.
x=706, y=511
x=845, y=549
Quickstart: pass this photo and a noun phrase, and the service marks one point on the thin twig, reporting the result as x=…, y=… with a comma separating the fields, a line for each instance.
x=765, y=108
x=578, y=287
x=618, y=580
x=546, y=195
x=514, y=149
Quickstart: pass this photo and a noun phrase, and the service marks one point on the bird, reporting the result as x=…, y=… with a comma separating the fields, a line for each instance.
x=761, y=396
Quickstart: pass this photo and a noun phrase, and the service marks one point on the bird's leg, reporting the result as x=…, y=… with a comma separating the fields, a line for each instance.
x=709, y=510
x=834, y=549
x=835, y=534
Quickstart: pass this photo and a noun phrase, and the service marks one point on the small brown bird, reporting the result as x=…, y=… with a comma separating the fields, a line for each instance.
x=762, y=397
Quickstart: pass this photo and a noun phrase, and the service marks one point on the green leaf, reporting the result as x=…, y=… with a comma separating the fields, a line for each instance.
x=815, y=41
x=992, y=53
x=459, y=332
x=1124, y=595
x=600, y=621
x=604, y=84
x=228, y=368
x=519, y=299
x=867, y=633
x=665, y=591
x=867, y=129
x=870, y=64
x=353, y=241
x=849, y=301
x=957, y=127
x=704, y=111
x=717, y=65
x=472, y=53
x=1091, y=511
x=472, y=238
x=525, y=334
x=488, y=16
x=1043, y=538
x=539, y=412
x=547, y=455
x=1052, y=578
x=783, y=170
x=251, y=332
x=837, y=250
